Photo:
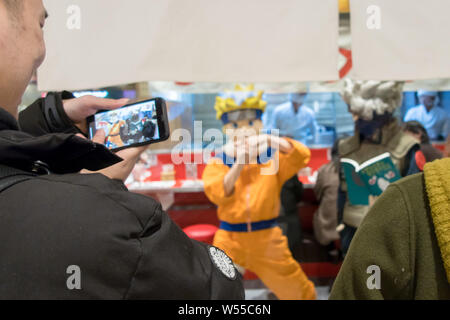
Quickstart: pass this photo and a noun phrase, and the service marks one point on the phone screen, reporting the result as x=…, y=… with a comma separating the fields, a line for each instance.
x=136, y=124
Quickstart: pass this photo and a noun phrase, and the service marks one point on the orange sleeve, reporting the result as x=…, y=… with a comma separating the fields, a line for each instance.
x=213, y=177
x=292, y=162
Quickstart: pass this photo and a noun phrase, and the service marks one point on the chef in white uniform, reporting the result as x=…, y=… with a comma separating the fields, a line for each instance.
x=294, y=119
x=430, y=115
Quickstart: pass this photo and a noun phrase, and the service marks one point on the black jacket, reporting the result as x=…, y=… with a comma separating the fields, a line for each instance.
x=56, y=227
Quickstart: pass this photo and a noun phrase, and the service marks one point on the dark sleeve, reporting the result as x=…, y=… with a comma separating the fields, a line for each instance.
x=381, y=243
x=47, y=115
x=173, y=266
x=341, y=196
x=411, y=164
x=318, y=187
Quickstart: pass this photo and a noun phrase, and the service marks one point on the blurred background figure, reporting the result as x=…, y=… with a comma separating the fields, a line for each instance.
x=295, y=120
x=377, y=131
x=291, y=195
x=427, y=152
x=435, y=120
x=325, y=219
x=248, y=200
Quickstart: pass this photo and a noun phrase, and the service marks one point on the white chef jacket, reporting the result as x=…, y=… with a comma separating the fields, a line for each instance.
x=436, y=121
x=298, y=126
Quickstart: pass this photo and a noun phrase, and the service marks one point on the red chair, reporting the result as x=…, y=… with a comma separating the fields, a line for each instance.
x=201, y=232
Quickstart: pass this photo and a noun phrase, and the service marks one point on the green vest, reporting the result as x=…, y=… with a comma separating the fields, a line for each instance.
x=394, y=141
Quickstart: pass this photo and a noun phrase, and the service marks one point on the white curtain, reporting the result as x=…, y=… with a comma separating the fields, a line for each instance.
x=98, y=43
x=400, y=39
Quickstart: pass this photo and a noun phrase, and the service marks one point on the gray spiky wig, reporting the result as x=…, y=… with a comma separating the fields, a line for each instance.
x=366, y=98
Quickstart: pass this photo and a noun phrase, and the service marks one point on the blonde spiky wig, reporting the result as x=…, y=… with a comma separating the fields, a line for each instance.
x=365, y=98
x=239, y=99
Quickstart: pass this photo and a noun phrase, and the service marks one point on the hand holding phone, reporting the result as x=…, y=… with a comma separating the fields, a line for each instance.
x=122, y=170
x=79, y=109
x=133, y=125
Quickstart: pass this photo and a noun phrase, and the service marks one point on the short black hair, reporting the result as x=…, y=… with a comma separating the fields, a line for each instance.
x=417, y=128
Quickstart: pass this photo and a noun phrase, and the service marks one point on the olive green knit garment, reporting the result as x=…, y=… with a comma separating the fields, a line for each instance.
x=437, y=180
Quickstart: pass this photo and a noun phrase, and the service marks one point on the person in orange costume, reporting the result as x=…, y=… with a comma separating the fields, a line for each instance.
x=113, y=140
x=247, y=189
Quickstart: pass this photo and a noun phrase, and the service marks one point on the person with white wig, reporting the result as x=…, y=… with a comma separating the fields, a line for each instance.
x=430, y=115
x=377, y=131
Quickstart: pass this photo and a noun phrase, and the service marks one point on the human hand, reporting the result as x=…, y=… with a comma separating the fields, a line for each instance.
x=279, y=143
x=258, y=145
x=79, y=109
x=242, y=152
x=123, y=169
x=259, y=141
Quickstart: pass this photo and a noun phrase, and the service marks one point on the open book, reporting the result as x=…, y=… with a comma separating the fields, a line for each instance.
x=371, y=177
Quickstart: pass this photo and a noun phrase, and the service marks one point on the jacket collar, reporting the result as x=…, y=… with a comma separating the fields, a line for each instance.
x=437, y=181
x=62, y=153
x=392, y=138
x=7, y=121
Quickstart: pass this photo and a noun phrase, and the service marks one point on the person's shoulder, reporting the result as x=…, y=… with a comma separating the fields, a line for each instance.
x=431, y=153
x=308, y=110
x=281, y=108
x=329, y=168
x=413, y=111
x=415, y=181
x=348, y=145
x=441, y=111
x=399, y=207
x=402, y=143
x=329, y=174
x=97, y=183
x=100, y=195
x=412, y=190
x=417, y=108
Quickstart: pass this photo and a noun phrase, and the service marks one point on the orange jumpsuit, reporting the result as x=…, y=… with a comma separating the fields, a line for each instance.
x=114, y=134
x=256, y=197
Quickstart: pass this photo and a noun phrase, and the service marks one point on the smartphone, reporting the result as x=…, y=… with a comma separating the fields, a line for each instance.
x=133, y=125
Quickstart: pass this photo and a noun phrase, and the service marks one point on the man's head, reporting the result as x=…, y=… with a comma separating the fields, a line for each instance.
x=427, y=98
x=113, y=118
x=244, y=123
x=135, y=116
x=22, y=48
x=416, y=130
x=372, y=104
x=298, y=97
x=369, y=99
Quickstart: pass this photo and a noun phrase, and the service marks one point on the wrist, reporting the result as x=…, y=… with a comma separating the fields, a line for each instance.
x=285, y=145
x=238, y=166
x=55, y=114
